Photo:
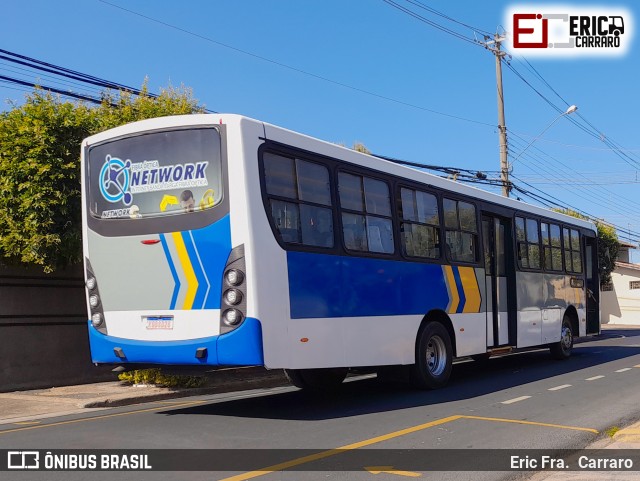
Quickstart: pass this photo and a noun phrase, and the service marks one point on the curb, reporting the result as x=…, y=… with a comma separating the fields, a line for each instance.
x=219, y=382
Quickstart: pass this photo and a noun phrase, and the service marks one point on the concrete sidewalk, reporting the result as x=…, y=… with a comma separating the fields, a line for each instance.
x=22, y=406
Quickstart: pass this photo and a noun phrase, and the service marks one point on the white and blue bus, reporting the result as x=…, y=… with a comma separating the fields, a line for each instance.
x=220, y=240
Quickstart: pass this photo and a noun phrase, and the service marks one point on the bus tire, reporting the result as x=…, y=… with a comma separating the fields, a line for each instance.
x=562, y=349
x=328, y=379
x=434, y=357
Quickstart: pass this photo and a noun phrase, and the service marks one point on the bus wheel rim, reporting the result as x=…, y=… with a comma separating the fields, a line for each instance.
x=566, y=338
x=436, y=356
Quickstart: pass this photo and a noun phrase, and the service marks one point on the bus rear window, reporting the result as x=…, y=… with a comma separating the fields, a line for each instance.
x=160, y=173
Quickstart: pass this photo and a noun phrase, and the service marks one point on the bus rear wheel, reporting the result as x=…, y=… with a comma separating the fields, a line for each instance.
x=317, y=380
x=562, y=349
x=434, y=357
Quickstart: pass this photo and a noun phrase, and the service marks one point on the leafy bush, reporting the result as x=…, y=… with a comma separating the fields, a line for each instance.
x=40, y=211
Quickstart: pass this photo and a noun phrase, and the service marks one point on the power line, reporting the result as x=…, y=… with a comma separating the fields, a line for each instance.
x=430, y=22
x=67, y=76
x=295, y=69
x=53, y=89
x=440, y=14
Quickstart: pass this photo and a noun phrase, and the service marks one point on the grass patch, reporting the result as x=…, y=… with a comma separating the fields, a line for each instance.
x=158, y=378
x=612, y=431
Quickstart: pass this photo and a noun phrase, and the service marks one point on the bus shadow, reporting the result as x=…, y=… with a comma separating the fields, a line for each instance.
x=368, y=396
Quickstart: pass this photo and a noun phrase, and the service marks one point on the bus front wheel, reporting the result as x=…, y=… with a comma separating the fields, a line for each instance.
x=562, y=349
x=317, y=380
x=434, y=357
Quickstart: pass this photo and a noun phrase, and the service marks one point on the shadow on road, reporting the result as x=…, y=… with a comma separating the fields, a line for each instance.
x=468, y=380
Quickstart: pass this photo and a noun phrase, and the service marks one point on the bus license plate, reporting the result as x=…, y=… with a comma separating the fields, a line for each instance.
x=158, y=322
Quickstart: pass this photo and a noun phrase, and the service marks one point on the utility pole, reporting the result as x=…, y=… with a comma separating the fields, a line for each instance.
x=494, y=47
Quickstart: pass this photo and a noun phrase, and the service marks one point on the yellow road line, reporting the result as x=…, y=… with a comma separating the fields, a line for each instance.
x=367, y=442
x=27, y=422
x=531, y=423
x=385, y=437
x=95, y=418
x=333, y=452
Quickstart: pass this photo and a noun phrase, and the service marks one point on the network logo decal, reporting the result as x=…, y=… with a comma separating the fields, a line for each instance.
x=121, y=179
x=115, y=180
x=561, y=31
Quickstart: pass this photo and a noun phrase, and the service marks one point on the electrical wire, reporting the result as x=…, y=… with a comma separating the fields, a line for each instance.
x=296, y=69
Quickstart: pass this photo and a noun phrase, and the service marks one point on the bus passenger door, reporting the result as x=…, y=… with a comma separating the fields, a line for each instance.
x=593, y=286
x=499, y=280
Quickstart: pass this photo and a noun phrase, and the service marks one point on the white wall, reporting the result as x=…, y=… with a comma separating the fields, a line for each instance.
x=622, y=305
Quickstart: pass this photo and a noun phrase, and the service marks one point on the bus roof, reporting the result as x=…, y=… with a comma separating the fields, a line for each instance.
x=321, y=147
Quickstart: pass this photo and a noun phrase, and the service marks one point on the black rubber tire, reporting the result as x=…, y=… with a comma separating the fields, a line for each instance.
x=434, y=357
x=318, y=380
x=561, y=350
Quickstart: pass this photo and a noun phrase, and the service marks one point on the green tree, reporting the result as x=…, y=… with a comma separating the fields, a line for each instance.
x=608, y=246
x=40, y=211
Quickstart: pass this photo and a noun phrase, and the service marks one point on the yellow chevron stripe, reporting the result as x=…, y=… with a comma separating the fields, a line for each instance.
x=192, y=281
x=471, y=289
x=453, y=289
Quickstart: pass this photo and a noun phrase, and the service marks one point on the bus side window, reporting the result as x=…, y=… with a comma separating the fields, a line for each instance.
x=461, y=230
x=572, y=250
x=307, y=218
x=528, y=243
x=366, y=214
x=420, y=224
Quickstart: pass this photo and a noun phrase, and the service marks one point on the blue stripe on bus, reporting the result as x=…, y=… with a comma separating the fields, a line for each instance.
x=241, y=347
x=174, y=274
x=322, y=285
x=214, y=245
x=460, y=286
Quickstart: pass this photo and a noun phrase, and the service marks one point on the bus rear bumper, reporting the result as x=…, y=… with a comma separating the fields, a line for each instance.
x=241, y=347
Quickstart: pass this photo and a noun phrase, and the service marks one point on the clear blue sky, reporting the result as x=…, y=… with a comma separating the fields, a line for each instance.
x=372, y=47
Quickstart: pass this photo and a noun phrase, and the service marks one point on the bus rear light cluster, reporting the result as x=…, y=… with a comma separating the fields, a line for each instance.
x=232, y=317
x=95, y=305
x=234, y=291
x=234, y=277
x=233, y=297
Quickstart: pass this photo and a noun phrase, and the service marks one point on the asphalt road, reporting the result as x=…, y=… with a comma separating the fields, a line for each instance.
x=518, y=401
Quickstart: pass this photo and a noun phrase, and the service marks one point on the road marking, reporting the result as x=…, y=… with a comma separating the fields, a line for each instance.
x=515, y=400
x=594, y=378
x=624, y=369
x=385, y=437
x=332, y=452
x=28, y=422
x=390, y=470
x=95, y=418
x=557, y=388
x=531, y=423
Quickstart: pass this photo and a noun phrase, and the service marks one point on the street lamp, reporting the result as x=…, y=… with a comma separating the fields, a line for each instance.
x=569, y=111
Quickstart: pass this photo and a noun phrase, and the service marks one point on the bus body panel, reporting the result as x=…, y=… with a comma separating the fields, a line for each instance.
x=542, y=300
x=303, y=309
x=241, y=347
